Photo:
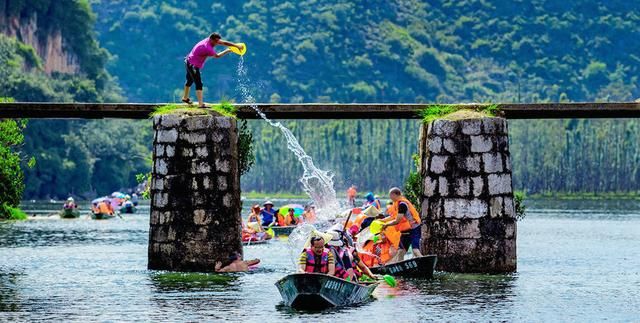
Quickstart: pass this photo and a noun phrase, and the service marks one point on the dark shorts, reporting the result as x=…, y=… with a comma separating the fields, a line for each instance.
x=411, y=239
x=193, y=76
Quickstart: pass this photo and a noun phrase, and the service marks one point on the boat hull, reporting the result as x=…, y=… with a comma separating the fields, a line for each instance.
x=69, y=214
x=420, y=267
x=101, y=216
x=128, y=210
x=307, y=291
x=281, y=231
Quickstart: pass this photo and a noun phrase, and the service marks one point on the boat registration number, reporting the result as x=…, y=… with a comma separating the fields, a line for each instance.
x=396, y=268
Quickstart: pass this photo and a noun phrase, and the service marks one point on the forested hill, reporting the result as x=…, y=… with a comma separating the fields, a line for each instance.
x=368, y=51
x=401, y=51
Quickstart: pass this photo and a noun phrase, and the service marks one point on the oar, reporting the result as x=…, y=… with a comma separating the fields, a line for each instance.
x=120, y=216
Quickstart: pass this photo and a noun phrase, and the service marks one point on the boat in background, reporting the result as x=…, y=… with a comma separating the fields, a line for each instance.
x=102, y=216
x=69, y=213
x=281, y=231
x=314, y=292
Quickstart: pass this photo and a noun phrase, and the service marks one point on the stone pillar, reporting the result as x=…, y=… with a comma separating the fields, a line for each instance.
x=468, y=201
x=195, y=193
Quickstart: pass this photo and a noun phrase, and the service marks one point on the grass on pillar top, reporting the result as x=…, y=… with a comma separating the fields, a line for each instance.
x=225, y=109
x=458, y=112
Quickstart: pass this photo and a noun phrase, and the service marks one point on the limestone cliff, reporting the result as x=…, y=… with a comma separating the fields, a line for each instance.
x=50, y=45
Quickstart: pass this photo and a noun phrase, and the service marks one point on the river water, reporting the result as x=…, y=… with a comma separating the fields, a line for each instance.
x=577, y=261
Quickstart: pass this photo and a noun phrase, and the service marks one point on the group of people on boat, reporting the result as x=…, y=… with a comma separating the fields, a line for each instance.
x=397, y=229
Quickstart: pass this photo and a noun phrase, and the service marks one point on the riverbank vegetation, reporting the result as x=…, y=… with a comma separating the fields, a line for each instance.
x=389, y=51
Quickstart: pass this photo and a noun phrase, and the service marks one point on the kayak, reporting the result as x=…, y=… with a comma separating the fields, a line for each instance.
x=102, y=216
x=312, y=291
x=128, y=209
x=69, y=213
x=419, y=267
x=281, y=231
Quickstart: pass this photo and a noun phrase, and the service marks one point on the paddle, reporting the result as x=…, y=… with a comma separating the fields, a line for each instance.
x=120, y=216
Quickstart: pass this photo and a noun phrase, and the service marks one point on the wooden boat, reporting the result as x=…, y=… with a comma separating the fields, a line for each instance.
x=281, y=231
x=420, y=267
x=128, y=210
x=305, y=291
x=69, y=213
x=254, y=242
x=102, y=216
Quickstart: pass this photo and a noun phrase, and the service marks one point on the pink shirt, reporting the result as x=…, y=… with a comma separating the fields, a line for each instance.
x=200, y=52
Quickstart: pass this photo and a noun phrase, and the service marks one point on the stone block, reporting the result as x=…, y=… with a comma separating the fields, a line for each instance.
x=438, y=164
x=462, y=186
x=461, y=247
x=492, y=162
x=160, y=200
x=499, y=184
x=170, y=121
x=223, y=165
x=206, y=183
x=424, y=210
x=170, y=151
x=443, y=186
x=493, y=126
x=227, y=200
x=456, y=229
x=460, y=208
x=167, y=136
x=495, y=207
x=509, y=208
x=200, y=217
x=477, y=186
x=157, y=183
x=161, y=167
x=472, y=163
x=472, y=126
x=430, y=185
x=166, y=217
x=199, y=167
x=154, y=217
x=450, y=146
x=481, y=144
x=198, y=123
x=502, y=143
x=444, y=128
x=194, y=137
x=159, y=151
x=187, y=152
x=194, y=184
x=202, y=152
x=507, y=162
x=510, y=230
x=223, y=122
x=435, y=144
x=435, y=209
x=222, y=183
x=218, y=137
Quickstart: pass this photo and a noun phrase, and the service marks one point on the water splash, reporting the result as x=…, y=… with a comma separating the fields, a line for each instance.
x=317, y=183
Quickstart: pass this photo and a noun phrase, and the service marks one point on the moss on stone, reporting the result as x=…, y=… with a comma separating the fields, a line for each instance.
x=225, y=109
x=457, y=112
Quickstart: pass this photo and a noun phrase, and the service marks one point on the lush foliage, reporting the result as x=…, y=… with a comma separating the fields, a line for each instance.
x=521, y=209
x=445, y=51
x=437, y=111
x=11, y=175
x=413, y=185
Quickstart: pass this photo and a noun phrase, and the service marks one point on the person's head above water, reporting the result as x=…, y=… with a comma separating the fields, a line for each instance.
x=317, y=245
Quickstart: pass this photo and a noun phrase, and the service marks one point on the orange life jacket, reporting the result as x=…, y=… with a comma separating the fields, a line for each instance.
x=404, y=224
x=373, y=251
x=104, y=208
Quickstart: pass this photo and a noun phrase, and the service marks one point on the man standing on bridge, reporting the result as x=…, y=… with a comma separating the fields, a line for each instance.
x=195, y=61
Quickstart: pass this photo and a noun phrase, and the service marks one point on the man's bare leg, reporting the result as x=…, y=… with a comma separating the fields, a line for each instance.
x=416, y=252
x=199, y=95
x=185, y=96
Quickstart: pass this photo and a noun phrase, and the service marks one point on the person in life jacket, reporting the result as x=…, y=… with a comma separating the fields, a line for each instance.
x=288, y=219
x=351, y=196
x=317, y=259
x=377, y=252
x=254, y=216
x=309, y=214
x=404, y=216
x=371, y=201
x=268, y=213
x=70, y=204
x=104, y=207
x=349, y=265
